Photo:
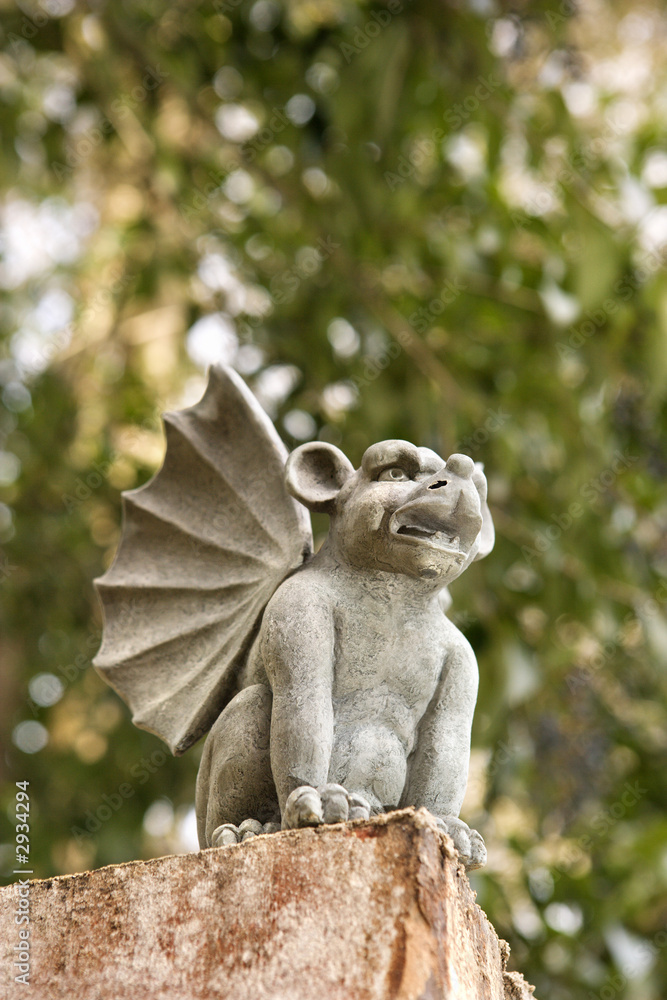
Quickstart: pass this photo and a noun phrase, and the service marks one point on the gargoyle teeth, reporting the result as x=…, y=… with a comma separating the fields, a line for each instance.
x=418, y=531
x=453, y=540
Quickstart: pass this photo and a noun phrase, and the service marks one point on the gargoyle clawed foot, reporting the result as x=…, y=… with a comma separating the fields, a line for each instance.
x=308, y=806
x=227, y=833
x=469, y=843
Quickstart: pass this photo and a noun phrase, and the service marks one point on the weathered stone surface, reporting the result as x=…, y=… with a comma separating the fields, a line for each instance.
x=379, y=909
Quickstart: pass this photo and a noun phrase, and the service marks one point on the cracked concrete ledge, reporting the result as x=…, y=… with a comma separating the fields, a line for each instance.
x=377, y=910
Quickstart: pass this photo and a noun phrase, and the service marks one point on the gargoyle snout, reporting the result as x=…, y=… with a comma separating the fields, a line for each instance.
x=447, y=502
x=460, y=465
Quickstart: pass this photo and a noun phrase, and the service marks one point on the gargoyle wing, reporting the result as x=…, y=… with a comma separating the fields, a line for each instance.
x=204, y=545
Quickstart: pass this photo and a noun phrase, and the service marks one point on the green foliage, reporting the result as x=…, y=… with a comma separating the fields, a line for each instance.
x=433, y=221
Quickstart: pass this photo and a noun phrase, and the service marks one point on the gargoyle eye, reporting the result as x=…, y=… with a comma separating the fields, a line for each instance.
x=393, y=475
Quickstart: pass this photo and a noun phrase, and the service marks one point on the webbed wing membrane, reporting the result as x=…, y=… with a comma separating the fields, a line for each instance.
x=204, y=545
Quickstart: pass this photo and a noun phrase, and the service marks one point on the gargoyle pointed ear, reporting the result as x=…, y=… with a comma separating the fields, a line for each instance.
x=487, y=535
x=315, y=473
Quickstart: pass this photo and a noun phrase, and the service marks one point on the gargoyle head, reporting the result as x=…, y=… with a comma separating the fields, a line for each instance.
x=405, y=510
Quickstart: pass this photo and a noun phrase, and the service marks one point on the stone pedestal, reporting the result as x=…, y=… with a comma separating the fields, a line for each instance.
x=364, y=911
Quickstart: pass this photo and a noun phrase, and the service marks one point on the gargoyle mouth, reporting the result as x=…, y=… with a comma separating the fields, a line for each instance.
x=448, y=527
x=444, y=540
x=426, y=527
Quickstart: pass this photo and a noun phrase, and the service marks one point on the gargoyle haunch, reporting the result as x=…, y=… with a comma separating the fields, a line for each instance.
x=333, y=684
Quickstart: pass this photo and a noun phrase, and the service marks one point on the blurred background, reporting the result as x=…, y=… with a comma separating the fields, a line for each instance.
x=443, y=221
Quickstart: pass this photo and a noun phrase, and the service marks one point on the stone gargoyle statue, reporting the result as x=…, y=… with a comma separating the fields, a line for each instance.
x=333, y=685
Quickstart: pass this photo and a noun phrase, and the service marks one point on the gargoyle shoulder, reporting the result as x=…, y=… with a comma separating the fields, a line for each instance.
x=303, y=596
x=461, y=673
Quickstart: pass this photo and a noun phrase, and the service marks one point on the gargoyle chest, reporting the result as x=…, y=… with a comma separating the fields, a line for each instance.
x=378, y=648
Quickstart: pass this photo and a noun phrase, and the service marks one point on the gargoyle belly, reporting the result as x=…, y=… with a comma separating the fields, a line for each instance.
x=370, y=759
x=375, y=710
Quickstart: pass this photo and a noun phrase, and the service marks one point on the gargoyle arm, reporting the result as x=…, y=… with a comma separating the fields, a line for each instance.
x=298, y=655
x=438, y=765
